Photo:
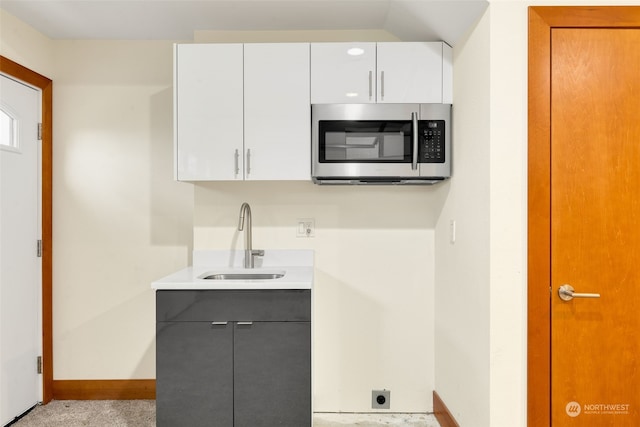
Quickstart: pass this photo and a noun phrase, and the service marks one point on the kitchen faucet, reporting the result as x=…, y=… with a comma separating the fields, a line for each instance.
x=249, y=253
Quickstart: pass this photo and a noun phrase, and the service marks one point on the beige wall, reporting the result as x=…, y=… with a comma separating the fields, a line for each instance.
x=484, y=379
x=120, y=221
x=373, y=307
x=24, y=45
x=373, y=289
x=462, y=268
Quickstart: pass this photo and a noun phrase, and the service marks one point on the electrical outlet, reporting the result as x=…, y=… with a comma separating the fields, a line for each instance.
x=306, y=227
x=380, y=399
x=452, y=231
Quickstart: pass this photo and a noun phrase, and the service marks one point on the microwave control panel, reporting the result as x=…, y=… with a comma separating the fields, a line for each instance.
x=431, y=141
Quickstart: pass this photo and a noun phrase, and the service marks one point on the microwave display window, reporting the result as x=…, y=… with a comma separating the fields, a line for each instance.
x=342, y=141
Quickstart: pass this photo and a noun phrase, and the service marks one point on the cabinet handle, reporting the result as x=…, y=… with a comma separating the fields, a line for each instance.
x=370, y=84
x=414, y=130
x=219, y=323
x=245, y=323
x=382, y=85
x=237, y=162
x=248, y=161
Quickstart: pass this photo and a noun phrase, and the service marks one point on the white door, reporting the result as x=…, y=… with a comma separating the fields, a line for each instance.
x=277, y=125
x=343, y=73
x=208, y=115
x=20, y=267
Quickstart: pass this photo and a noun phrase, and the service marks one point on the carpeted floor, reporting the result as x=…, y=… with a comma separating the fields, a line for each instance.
x=94, y=413
x=142, y=413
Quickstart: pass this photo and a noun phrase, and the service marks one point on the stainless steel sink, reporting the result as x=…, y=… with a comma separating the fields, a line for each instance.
x=244, y=276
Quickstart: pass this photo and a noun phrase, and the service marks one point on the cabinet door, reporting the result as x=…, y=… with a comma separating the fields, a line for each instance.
x=409, y=72
x=208, y=111
x=343, y=73
x=277, y=111
x=194, y=374
x=273, y=374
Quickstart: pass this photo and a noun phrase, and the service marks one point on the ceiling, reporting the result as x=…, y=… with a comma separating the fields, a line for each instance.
x=409, y=20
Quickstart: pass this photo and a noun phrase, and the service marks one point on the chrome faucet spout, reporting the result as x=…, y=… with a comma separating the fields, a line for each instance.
x=249, y=253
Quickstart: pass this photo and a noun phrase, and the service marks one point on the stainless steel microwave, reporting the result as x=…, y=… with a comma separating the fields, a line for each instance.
x=380, y=143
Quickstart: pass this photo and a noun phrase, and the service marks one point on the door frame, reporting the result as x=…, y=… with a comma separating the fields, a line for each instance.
x=542, y=19
x=15, y=70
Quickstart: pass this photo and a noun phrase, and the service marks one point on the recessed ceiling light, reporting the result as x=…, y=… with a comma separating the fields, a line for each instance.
x=351, y=94
x=355, y=51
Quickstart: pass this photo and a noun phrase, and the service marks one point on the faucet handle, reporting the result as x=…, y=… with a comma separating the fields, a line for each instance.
x=253, y=253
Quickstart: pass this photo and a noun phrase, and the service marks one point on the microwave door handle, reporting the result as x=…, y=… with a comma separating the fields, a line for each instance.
x=414, y=133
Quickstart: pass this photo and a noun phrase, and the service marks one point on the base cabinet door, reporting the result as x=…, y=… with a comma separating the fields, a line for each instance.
x=272, y=374
x=215, y=369
x=194, y=374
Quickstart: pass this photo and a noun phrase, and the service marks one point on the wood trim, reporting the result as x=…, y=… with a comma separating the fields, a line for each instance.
x=542, y=19
x=442, y=413
x=539, y=223
x=104, y=389
x=45, y=84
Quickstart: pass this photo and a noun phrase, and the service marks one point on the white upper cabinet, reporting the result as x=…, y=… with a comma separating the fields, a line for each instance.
x=277, y=111
x=410, y=72
x=242, y=112
x=343, y=73
x=395, y=72
x=208, y=113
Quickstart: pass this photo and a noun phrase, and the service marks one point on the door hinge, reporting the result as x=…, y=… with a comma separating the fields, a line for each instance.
x=39, y=131
x=39, y=248
x=39, y=364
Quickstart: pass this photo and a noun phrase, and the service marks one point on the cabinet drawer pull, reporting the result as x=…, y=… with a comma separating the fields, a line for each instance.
x=248, y=161
x=370, y=84
x=245, y=323
x=237, y=163
x=219, y=323
x=382, y=85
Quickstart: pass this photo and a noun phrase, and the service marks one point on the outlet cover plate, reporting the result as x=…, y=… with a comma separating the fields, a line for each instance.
x=306, y=227
x=378, y=396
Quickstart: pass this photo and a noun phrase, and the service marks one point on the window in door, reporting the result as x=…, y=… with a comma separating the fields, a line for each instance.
x=8, y=130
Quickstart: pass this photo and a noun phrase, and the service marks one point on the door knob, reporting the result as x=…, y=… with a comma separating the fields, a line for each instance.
x=566, y=293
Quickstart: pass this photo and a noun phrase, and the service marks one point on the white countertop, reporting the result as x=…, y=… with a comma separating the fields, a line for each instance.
x=296, y=265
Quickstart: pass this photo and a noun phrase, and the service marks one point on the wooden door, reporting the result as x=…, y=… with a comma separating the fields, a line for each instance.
x=585, y=219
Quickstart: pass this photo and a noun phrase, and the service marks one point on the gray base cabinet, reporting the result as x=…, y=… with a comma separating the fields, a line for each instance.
x=233, y=358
